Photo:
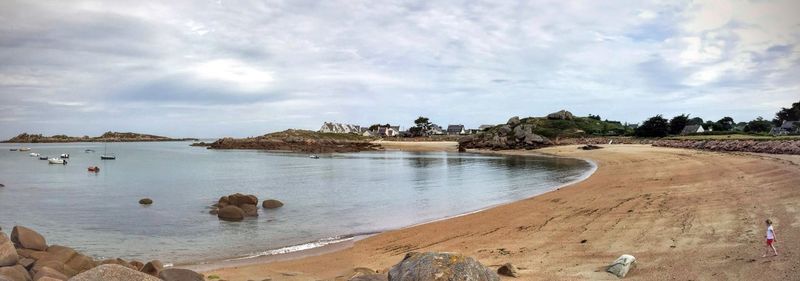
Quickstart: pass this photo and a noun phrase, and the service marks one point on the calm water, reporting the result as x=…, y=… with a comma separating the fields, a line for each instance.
x=334, y=196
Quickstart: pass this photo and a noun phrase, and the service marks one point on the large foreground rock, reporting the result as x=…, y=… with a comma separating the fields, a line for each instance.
x=622, y=265
x=8, y=254
x=113, y=272
x=180, y=274
x=24, y=237
x=440, y=267
x=15, y=273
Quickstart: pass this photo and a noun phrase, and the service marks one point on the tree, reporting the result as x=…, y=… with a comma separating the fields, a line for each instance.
x=758, y=126
x=421, y=128
x=787, y=114
x=724, y=124
x=677, y=123
x=656, y=126
x=595, y=117
x=709, y=125
x=696, y=121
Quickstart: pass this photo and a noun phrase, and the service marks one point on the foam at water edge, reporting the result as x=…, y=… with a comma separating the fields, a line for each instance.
x=297, y=248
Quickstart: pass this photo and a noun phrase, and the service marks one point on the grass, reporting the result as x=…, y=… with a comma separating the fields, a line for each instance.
x=316, y=135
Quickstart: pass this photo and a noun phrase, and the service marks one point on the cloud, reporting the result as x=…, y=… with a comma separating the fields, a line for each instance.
x=247, y=67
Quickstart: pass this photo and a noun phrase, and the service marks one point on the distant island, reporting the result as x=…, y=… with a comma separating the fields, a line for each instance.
x=106, y=137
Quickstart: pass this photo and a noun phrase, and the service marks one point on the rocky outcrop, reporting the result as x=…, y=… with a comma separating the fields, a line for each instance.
x=513, y=135
x=250, y=210
x=440, y=266
x=112, y=272
x=8, y=254
x=26, y=238
x=271, y=204
x=179, y=274
x=621, y=265
x=299, y=141
x=561, y=115
x=766, y=146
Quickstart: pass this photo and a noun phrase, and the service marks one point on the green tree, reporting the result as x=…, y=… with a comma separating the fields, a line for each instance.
x=787, y=114
x=725, y=124
x=696, y=121
x=677, y=123
x=656, y=126
x=595, y=117
x=421, y=128
x=758, y=126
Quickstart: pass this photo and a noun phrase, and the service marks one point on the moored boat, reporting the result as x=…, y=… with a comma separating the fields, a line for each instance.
x=108, y=157
x=65, y=156
x=42, y=157
x=34, y=154
x=313, y=156
x=57, y=161
x=89, y=151
x=94, y=169
x=12, y=149
x=24, y=149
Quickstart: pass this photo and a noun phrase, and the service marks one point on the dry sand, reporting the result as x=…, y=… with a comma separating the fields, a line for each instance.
x=685, y=215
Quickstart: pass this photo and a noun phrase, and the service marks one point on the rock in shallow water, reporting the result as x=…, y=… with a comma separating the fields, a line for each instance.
x=231, y=213
x=440, y=266
x=112, y=272
x=271, y=204
x=145, y=201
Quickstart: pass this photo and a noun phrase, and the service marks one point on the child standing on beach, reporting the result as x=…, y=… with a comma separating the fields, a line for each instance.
x=770, y=239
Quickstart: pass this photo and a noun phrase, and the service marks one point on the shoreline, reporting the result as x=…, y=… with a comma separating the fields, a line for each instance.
x=669, y=230
x=348, y=240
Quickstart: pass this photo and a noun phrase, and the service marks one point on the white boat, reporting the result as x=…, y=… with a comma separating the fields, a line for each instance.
x=313, y=157
x=34, y=154
x=24, y=149
x=57, y=161
x=65, y=156
x=106, y=155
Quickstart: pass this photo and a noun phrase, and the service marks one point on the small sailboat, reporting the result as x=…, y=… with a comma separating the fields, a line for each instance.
x=94, y=169
x=106, y=155
x=65, y=156
x=313, y=156
x=42, y=157
x=34, y=154
x=24, y=149
x=57, y=161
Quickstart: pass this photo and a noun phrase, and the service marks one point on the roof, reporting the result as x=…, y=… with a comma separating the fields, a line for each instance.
x=790, y=125
x=455, y=128
x=689, y=129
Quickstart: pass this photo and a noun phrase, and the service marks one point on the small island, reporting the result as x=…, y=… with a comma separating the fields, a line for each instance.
x=106, y=137
x=300, y=141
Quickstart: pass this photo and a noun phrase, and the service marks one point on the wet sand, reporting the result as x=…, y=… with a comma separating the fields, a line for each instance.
x=685, y=215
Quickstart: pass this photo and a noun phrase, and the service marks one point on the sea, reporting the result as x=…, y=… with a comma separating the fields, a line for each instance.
x=327, y=200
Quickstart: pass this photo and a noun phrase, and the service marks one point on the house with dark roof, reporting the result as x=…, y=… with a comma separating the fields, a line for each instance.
x=456, y=130
x=692, y=129
x=788, y=127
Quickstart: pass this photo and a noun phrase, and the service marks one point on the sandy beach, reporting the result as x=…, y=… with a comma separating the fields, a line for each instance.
x=685, y=215
x=419, y=145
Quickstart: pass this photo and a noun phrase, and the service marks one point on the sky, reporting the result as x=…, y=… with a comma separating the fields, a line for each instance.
x=246, y=68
